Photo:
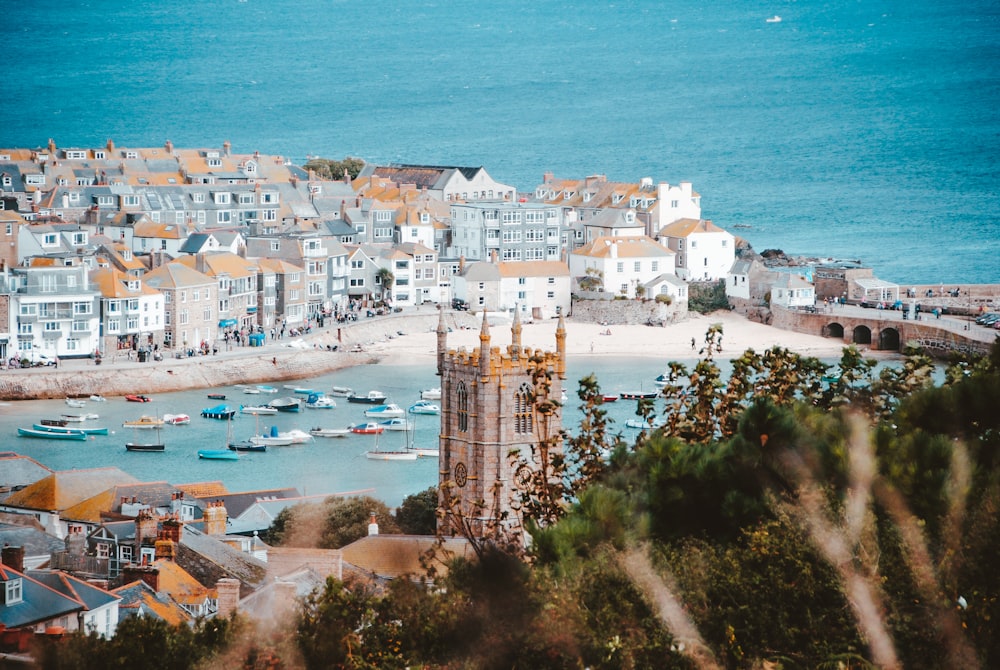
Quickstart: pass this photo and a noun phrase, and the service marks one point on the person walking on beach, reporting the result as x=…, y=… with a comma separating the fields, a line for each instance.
x=693, y=344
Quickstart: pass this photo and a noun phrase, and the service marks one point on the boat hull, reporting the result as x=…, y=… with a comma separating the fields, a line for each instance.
x=50, y=435
x=391, y=455
x=62, y=429
x=330, y=432
x=218, y=455
x=145, y=447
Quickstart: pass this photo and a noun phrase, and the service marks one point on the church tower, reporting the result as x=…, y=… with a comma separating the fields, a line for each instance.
x=488, y=413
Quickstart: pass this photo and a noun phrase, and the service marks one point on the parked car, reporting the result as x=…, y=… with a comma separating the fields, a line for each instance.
x=34, y=360
x=459, y=304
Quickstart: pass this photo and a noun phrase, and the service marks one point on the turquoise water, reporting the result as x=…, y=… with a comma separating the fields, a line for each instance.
x=863, y=129
x=326, y=465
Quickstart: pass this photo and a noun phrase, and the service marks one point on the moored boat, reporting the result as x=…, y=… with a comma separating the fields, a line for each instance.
x=266, y=389
x=378, y=455
x=79, y=418
x=247, y=445
x=218, y=455
x=637, y=395
x=329, y=432
x=385, y=411
x=371, y=398
x=286, y=404
x=396, y=423
x=424, y=407
x=342, y=391
x=431, y=394
x=97, y=397
x=607, y=397
x=219, y=412
x=425, y=453
x=144, y=422
x=76, y=402
x=138, y=397
x=63, y=429
x=217, y=396
x=54, y=422
x=370, y=428
x=145, y=446
x=319, y=401
x=252, y=390
x=257, y=410
x=66, y=434
x=176, y=419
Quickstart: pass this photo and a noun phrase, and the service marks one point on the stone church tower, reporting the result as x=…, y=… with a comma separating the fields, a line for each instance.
x=486, y=413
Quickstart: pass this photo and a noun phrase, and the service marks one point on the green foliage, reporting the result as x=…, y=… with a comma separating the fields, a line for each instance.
x=593, y=280
x=140, y=642
x=326, y=168
x=664, y=298
x=347, y=520
x=707, y=297
x=417, y=515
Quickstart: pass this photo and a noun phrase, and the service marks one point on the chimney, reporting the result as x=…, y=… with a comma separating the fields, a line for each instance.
x=76, y=543
x=373, y=525
x=111, y=147
x=168, y=146
x=228, y=594
x=146, y=524
x=215, y=518
x=165, y=549
x=172, y=530
x=547, y=177
x=52, y=147
x=226, y=147
x=13, y=557
x=145, y=573
x=461, y=264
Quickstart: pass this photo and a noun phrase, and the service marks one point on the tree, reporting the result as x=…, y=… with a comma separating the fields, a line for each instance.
x=347, y=520
x=326, y=168
x=386, y=279
x=417, y=515
x=593, y=280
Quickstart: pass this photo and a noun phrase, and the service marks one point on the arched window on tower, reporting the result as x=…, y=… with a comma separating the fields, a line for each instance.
x=462, y=397
x=524, y=409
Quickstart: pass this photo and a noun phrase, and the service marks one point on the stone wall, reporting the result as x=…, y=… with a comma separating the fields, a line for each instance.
x=620, y=312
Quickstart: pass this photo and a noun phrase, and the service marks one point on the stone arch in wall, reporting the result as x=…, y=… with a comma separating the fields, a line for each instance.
x=888, y=340
x=833, y=330
x=862, y=335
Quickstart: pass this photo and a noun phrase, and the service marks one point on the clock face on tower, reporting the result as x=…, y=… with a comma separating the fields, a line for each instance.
x=461, y=474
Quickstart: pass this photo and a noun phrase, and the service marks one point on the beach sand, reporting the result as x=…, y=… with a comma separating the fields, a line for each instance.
x=672, y=342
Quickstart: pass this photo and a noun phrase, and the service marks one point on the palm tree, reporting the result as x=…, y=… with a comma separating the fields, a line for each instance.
x=385, y=278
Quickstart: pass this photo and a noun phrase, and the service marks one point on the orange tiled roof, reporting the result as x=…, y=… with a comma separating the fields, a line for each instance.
x=204, y=489
x=181, y=586
x=684, y=227
x=639, y=246
x=64, y=489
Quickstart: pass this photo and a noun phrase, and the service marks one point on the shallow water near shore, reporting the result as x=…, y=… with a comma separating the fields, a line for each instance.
x=325, y=465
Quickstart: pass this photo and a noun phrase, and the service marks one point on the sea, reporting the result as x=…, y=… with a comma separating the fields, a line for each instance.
x=848, y=129
x=322, y=466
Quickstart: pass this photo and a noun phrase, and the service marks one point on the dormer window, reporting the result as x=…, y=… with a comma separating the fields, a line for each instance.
x=214, y=162
x=50, y=240
x=13, y=591
x=221, y=198
x=133, y=284
x=131, y=154
x=198, y=197
x=75, y=155
x=268, y=197
x=100, y=155
x=79, y=239
x=250, y=167
x=7, y=180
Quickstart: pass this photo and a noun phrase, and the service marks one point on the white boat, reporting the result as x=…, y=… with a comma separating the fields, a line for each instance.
x=176, y=419
x=378, y=455
x=773, y=19
x=341, y=391
x=431, y=394
x=424, y=407
x=396, y=423
x=425, y=453
x=80, y=418
x=296, y=436
x=385, y=411
x=257, y=410
x=76, y=402
x=252, y=390
x=144, y=422
x=270, y=440
x=329, y=432
x=316, y=401
x=371, y=398
x=97, y=398
x=267, y=389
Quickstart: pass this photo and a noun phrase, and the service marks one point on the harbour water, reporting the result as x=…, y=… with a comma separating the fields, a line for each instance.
x=849, y=129
x=325, y=465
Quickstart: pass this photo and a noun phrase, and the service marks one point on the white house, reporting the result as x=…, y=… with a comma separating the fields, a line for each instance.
x=705, y=252
x=738, y=280
x=54, y=311
x=622, y=263
x=540, y=289
x=791, y=291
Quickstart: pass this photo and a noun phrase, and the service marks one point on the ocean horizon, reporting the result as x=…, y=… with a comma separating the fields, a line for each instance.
x=861, y=130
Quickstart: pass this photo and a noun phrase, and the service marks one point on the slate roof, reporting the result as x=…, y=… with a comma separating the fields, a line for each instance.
x=35, y=542
x=18, y=471
x=139, y=599
x=90, y=596
x=154, y=494
x=64, y=489
x=237, y=503
x=218, y=559
x=39, y=603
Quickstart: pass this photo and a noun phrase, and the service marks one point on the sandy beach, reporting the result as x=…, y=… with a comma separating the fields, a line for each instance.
x=586, y=339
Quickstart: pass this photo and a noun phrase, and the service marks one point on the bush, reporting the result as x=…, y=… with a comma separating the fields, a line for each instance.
x=665, y=299
x=707, y=297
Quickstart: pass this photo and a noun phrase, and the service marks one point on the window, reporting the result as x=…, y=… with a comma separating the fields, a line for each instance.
x=12, y=591
x=268, y=197
x=694, y=244
x=357, y=282
x=224, y=216
x=654, y=266
x=624, y=289
x=130, y=201
x=524, y=409
x=621, y=267
x=680, y=244
x=462, y=403
x=638, y=266
x=246, y=198
x=550, y=294
x=270, y=215
x=51, y=326
x=114, y=325
x=82, y=308
x=50, y=240
x=706, y=262
x=383, y=215
x=522, y=295
x=221, y=198
x=80, y=327
x=198, y=197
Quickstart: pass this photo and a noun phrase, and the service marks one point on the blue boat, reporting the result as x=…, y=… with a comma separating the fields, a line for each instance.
x=62, y=429
x=70, y=434
x=219, y=412
x=218, y=455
